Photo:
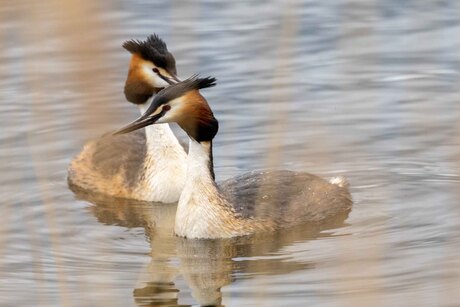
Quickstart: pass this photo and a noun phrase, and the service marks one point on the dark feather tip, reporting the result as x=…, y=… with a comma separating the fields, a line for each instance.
x=153, y=49
x=206, y=82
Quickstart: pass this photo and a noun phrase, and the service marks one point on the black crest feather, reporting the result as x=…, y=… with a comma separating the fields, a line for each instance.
x=153, y=49
x=179, y=89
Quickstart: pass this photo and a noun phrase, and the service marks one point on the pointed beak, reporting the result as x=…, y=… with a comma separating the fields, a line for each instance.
x=175, y=79
x=139, y=123
x=171, y=80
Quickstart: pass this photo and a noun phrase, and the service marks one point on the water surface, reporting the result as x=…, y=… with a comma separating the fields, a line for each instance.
x=363, y=89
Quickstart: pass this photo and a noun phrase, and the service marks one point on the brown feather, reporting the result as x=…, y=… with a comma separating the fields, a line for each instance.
x=137, y=89
x=197, y=118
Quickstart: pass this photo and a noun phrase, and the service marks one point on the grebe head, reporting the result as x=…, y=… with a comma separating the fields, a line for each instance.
x=151, y=69
x=183, y=104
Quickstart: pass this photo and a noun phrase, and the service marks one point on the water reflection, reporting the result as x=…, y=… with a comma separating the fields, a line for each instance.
x=205, y=265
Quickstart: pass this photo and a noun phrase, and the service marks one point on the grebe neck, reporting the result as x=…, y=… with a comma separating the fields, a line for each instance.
x=202, y=211
x=200, y=161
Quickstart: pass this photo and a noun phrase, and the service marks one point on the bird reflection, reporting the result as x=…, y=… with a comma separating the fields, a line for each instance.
x=204, y=265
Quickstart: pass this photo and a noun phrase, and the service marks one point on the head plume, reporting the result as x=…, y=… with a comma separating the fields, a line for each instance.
x=153, y=49
x=179, y=89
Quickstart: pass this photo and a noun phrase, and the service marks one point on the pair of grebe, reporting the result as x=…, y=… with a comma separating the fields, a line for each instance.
x=157, y=168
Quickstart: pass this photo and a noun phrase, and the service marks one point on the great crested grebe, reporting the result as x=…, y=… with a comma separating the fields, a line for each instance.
x=148, y=165
x=254, y=202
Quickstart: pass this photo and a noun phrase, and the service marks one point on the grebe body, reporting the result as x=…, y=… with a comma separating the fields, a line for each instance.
x=147, y=165
x=254, y=202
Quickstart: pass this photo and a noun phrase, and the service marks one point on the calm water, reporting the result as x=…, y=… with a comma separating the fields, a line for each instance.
x=364, y=89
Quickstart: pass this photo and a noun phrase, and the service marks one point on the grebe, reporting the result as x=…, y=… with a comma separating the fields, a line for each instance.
x=150, y=165
x=258, y=201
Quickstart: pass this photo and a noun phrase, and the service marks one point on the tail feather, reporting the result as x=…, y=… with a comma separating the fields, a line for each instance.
x=340, y=181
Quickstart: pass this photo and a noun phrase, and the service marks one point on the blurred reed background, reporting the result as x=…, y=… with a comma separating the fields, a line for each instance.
x=364, y=89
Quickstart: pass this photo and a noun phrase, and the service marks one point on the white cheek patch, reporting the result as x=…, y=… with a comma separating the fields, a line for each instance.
x=177, y=103
x=169, y=117
x=158, y=82
x=173, y=114
x=177, y=107
x=152, y=78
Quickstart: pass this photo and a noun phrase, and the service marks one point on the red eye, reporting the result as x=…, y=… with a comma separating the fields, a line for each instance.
x=166, y=107
x=155, y=70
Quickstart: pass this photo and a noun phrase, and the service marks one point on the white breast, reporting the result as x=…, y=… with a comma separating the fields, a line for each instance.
x=165, y=165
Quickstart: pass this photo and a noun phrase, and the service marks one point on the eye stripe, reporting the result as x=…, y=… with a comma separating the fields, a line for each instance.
x=157, y=71
x=165, y=79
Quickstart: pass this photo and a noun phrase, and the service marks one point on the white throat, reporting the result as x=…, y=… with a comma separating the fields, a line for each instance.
x=198, y=162
x=165, y=164
x=199, y=212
